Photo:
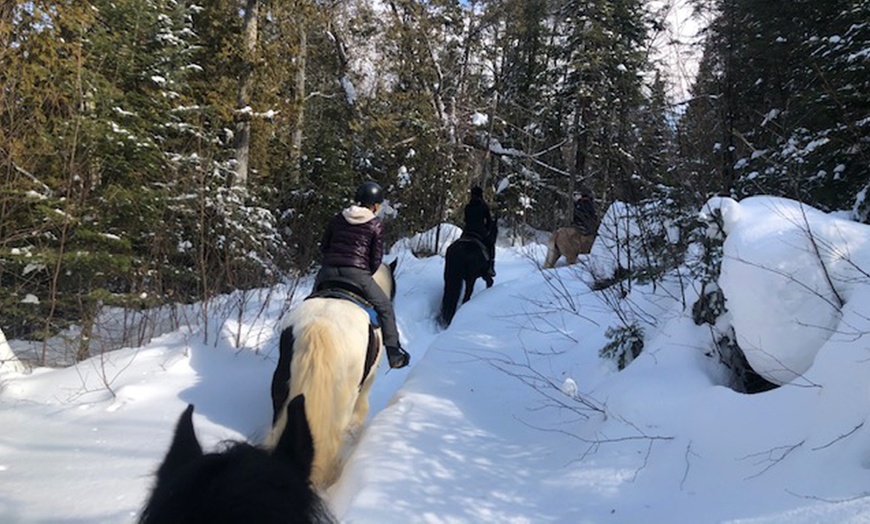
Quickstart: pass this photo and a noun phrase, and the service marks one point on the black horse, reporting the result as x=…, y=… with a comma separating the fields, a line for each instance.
x=240, y=484
x=467, y=259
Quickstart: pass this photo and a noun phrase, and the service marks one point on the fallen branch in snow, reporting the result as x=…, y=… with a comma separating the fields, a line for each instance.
x=564, y=300
x=774, y=456
x=689, y=453
x=841, y=437
x=832, y=501
x=596, y=443
x=582, y=405
x=525, y=373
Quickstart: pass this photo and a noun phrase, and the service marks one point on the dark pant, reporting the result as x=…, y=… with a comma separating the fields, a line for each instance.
x=371, y=291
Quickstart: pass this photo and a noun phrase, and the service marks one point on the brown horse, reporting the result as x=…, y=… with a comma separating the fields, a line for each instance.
x=567, y=241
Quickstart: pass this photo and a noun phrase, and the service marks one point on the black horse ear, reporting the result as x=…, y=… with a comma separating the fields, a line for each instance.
x=296, y=443
x=184, y=446
x=393, y=265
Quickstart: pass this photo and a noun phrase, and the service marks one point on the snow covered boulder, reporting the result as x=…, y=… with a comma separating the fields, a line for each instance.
x=628, y=237
x=423, y=244
x=787, y=271
x=8, y=360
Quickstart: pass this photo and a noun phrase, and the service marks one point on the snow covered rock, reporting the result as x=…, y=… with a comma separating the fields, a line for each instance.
x=786, y=273
x=8, y=360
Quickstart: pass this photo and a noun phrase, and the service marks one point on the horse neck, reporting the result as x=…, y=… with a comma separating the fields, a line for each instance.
x=384, y=279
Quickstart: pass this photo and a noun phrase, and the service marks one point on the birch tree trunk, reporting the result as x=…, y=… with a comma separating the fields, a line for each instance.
x=243, y=125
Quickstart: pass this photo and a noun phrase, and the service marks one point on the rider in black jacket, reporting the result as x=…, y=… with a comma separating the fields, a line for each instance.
x=480, y=224
x=585, y=217
x=353, y=248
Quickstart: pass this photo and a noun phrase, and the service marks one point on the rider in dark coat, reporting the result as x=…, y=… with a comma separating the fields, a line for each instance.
x=585, y=217
x=480, y=224
x=353, y=247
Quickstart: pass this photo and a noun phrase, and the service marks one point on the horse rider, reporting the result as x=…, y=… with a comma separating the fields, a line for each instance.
x=353, y=248
x=480, y=224
x=585, y=218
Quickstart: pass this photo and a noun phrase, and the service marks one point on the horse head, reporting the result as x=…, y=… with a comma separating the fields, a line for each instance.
x=242, y=483
x=385, y=278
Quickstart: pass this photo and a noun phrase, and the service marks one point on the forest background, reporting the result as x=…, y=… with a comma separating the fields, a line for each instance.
x=161, y=152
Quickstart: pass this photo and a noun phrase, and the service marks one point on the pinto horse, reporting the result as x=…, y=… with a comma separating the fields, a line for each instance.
x=466, y=260
x=329, y=351
x=243, y=483
x=570, y=242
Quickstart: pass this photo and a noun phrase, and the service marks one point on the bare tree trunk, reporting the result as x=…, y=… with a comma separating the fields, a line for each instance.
x=243, y=125
x=574, y=154
x=296, y=144
x=54, y=291
x=568, y=149
x=489, y=160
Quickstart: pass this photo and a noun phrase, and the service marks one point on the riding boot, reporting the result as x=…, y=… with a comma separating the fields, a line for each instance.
x=490, y=270
x=397, y=357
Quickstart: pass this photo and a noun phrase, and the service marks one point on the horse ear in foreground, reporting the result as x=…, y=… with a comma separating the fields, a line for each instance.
x=242, y=484
x=466, y=260
x=329, y=351
x=570, y=242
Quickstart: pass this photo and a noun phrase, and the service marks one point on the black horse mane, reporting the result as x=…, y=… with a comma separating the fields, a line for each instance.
x=239, y=484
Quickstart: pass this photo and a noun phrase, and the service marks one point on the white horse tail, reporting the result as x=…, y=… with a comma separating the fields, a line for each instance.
x=320, y=372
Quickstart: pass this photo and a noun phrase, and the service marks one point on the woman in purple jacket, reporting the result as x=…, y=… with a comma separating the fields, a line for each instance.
x=353, y=247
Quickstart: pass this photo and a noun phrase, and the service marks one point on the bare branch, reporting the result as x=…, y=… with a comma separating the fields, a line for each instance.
x=832, y=501
x=33, y=178
x=841, y=437
x=689, y=453
x=790, y=278
x=812, y=238
x=772, y=457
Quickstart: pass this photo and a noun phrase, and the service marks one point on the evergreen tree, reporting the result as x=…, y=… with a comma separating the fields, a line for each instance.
x=110, y=132
x=778, y=102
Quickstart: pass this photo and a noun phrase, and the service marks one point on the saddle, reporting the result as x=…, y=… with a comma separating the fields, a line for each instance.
x=475, y=238
x=345, y=290
x=585, y=229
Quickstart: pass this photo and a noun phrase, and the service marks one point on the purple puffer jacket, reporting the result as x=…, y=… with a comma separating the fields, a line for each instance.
x=354, y=238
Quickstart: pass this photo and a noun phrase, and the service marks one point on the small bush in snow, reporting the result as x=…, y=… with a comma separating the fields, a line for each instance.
x=626, y=343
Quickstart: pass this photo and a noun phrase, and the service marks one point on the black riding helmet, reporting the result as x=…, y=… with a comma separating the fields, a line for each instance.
x=369, y=193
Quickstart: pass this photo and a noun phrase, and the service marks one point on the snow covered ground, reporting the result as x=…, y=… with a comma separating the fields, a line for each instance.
x=510, y=415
